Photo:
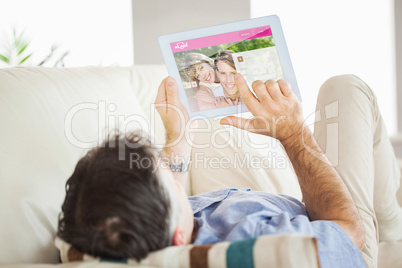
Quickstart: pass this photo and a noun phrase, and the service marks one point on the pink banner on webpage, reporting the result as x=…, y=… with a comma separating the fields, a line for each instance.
x=219, y=39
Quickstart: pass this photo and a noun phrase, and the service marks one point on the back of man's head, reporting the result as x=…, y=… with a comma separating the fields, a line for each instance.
x=116, y=207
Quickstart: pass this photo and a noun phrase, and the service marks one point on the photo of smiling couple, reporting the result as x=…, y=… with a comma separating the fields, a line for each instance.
x=208, y=72
x=214, y=78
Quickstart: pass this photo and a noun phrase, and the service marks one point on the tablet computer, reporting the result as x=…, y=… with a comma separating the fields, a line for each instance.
x=204, y=62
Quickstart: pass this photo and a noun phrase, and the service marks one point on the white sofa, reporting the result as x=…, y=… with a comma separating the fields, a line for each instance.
x=51, y=117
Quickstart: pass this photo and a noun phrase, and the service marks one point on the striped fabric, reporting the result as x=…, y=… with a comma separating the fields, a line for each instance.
x=285, y=250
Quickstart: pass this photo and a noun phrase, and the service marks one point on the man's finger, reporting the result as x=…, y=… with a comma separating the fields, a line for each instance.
x=273, y=89
x=285, y=88
x=261, y=91
x=237, y=122
x=172, y=92
x=161, y=95
x=248, y=97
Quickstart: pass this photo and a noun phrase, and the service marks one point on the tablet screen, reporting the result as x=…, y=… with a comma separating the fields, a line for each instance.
x=207, y=65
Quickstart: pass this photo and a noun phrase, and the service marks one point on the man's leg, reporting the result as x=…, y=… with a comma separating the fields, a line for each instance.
x=352, y=134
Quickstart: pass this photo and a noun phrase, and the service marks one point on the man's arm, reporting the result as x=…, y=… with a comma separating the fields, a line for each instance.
x=324, y=193
x=278, y=113
x=179, y=153
x=177, y=125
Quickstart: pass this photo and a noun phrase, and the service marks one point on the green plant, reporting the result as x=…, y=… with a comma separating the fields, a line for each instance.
x=17, y=53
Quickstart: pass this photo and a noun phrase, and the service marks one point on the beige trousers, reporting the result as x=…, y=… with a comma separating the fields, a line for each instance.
x=350, y=130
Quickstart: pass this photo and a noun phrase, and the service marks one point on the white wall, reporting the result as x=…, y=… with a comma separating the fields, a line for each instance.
x=327, y=38
x=152, y=18
x=398, y=50
x=97, y=32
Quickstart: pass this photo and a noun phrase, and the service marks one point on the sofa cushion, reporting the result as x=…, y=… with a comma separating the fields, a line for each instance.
x=146, y=80
x=50, y=117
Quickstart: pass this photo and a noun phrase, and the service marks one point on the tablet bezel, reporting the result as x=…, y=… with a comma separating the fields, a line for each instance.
x=280, y=44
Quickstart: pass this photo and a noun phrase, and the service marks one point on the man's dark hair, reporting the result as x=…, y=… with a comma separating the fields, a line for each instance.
x=114, y=208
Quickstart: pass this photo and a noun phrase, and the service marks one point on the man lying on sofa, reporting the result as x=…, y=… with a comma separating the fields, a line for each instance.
x=116, y=209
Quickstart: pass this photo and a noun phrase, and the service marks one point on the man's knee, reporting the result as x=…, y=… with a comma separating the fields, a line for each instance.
x=344, y=86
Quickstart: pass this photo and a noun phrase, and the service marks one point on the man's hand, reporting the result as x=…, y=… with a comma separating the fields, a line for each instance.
x=177, y=125
x=277, y=111
x=174, y=115
x=170, y=109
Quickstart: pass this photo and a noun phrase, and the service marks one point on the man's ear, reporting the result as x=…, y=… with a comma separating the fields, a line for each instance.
x=179, y=236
